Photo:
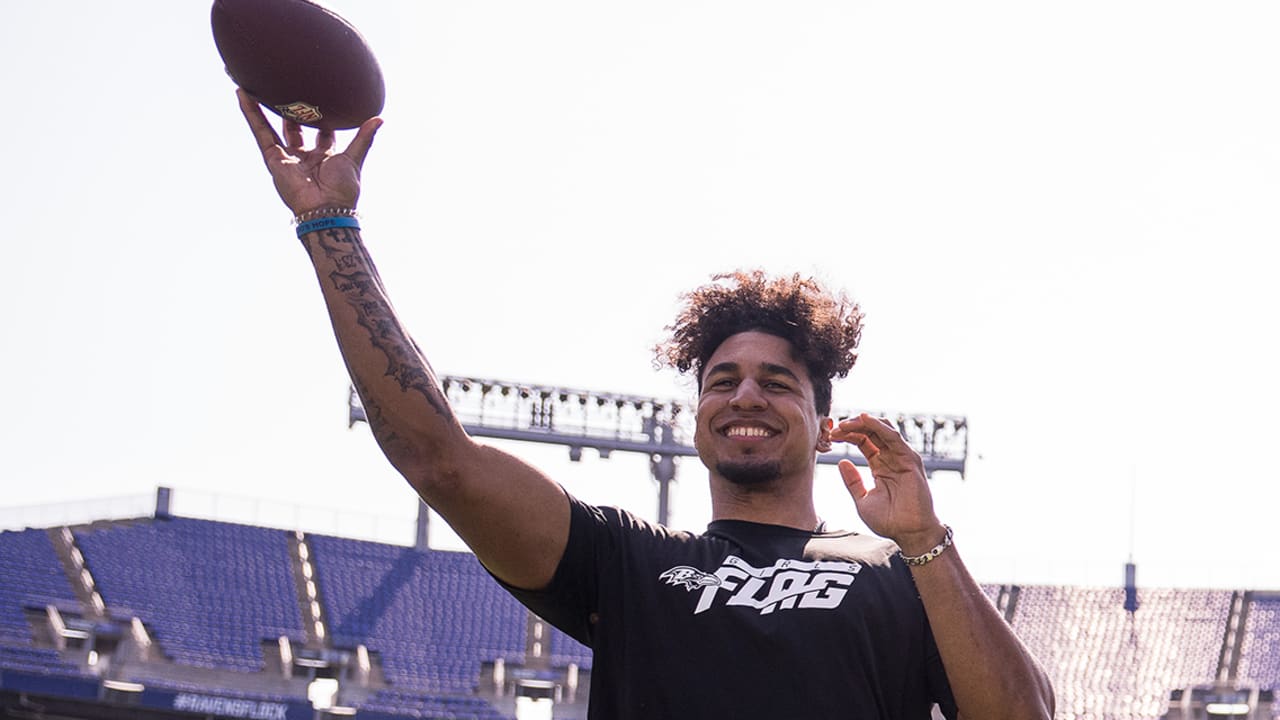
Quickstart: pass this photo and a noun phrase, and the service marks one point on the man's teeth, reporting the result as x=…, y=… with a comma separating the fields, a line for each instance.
x=748, y=432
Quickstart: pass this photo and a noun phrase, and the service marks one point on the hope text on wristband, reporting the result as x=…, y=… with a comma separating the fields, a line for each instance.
x=327, y=223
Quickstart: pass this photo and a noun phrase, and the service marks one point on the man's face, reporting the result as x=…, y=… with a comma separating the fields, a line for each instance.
x=756, y=417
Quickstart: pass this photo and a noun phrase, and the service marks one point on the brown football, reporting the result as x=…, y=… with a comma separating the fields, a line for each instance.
x=300, y=59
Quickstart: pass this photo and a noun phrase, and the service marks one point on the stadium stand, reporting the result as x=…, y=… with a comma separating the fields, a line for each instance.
x=433, y=616
x=1260, y=646
x=212, y=593
x=566, y=650
x=31, y=578
x=1109, y=663
x=438, y=632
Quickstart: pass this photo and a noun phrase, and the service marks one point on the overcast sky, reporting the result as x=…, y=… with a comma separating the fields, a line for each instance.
x=1059, y=220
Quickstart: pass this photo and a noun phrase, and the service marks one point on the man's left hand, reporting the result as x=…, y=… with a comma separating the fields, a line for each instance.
x=900, y=506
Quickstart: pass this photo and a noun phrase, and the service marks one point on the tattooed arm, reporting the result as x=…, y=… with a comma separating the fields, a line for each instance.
x=512, y=516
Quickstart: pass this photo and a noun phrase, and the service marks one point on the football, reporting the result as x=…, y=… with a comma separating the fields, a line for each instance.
x=300, y=59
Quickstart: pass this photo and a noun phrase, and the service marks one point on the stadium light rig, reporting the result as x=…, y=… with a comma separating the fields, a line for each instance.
x=662, y=429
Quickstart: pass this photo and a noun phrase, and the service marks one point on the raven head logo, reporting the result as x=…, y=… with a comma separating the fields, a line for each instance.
x=690, y=578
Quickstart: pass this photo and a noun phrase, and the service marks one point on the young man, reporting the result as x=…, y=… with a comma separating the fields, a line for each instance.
x=767, y=614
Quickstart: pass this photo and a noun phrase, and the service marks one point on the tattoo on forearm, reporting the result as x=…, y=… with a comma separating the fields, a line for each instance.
x=356, y=279
x=388, y=438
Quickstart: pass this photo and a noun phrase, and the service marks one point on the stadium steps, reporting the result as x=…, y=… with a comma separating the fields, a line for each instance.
x=82, y=583
x=1233, y=638
x=308, y=592
x=1009, y=601
x=315, y=618
x=1003, y=597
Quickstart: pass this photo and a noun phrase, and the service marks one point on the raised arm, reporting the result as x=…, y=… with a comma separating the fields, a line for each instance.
x=992, y=674
x=512, y=516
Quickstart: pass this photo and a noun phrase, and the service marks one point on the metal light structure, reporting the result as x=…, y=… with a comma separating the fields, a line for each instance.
x=663, y=429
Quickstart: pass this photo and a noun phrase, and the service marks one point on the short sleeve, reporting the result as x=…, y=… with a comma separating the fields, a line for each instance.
x=572, y=597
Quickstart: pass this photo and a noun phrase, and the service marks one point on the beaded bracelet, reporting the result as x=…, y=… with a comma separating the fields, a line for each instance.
x=325, y=212
x=918, y=560
x=326, y=223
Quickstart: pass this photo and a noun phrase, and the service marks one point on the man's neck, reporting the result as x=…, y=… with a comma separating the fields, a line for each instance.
x=789, y=504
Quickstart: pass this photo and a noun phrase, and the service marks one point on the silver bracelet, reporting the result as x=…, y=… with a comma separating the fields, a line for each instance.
x=937, y=550
x=325, y=212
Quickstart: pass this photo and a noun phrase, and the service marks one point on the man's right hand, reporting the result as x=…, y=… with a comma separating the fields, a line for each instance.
x=309, y=179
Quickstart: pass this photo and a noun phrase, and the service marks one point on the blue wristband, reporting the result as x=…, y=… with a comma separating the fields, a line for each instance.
x=327, y=223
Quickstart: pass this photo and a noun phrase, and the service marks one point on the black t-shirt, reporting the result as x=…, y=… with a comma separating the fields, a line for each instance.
x=743, y=621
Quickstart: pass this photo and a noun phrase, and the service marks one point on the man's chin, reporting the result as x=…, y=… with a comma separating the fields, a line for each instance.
x=747, y=474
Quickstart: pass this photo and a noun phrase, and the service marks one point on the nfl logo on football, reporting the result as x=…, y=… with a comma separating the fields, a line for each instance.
x=300, y=112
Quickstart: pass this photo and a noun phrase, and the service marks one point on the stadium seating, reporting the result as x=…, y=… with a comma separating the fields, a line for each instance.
x=433, y=616
x=1109, y=663
x=1260, y=648
x=565, y=650
x=30, y=576
x=210, y=592
x=38, y=660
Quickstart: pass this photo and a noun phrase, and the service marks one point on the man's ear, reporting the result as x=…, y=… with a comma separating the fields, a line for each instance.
x=824, y=434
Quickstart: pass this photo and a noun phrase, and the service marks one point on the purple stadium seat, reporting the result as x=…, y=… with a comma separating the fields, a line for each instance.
x=1260, y=649
x=210, y=592
x=1107, y=663
x=30, y=576
x=433, y=616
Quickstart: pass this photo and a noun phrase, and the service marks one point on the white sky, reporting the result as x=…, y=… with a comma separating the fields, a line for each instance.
x=1058, y=219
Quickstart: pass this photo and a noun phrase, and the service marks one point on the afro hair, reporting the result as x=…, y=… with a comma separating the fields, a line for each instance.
x=823, y=326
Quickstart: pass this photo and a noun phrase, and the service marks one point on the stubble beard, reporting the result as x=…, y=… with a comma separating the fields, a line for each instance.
x=749, y=473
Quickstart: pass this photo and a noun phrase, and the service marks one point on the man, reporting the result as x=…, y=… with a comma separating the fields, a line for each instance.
x=767, y=614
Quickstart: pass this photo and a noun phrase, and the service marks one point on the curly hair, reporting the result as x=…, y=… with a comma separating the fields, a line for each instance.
x=823, y=326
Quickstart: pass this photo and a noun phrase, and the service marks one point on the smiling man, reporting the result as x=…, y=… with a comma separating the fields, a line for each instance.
x=766, y=614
